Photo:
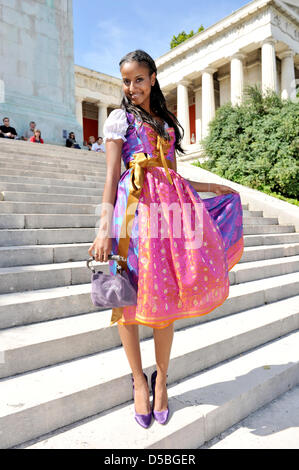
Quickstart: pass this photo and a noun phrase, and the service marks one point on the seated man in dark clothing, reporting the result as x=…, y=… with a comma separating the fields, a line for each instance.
x=6, y=131
x=71, y=141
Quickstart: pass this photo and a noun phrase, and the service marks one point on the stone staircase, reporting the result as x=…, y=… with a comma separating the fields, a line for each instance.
x=64, y=378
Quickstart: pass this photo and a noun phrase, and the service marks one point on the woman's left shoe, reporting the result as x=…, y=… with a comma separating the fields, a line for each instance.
x=143, y=420
x=160, y=416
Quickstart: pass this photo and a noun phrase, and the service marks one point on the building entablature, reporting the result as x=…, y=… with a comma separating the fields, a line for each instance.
x=241, y=33
x=96, y=87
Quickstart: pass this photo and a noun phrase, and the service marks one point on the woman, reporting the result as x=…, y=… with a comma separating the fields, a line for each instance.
x=90, y=142
x=71, y=141
x=165, y=269
x=37, y=137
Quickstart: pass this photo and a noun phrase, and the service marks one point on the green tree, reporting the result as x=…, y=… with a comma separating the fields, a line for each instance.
x=257, y=143
x=183, y=36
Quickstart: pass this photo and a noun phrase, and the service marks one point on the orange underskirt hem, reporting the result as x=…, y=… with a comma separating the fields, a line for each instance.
x=165, y=325
x=185, y=315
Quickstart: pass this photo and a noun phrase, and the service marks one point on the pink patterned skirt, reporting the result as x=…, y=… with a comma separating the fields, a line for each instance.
x=181, y=248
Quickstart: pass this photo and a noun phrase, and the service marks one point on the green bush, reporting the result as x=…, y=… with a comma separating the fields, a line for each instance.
x=257, y=143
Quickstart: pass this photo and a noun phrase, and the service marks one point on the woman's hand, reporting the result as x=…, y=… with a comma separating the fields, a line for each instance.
x=102, y=247
x=220, y=189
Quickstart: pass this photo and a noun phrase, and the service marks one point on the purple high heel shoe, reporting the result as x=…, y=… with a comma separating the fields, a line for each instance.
x=143, y=420
x=160, y=416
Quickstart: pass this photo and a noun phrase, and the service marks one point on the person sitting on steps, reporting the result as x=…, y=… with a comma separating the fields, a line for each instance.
x=37, y=138
x=6, y=131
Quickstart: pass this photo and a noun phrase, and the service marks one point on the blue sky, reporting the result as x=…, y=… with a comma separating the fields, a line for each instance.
x=104, y=31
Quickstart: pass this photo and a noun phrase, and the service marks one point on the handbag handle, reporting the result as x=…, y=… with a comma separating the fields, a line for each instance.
x=110, y=258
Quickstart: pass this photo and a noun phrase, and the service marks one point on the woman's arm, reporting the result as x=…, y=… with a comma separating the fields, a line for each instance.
x=218, y=189
x=113, y=159
x=102, y=244
x=206, y=187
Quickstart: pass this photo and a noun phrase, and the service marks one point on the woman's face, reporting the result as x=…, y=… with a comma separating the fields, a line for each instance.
x=137, y=83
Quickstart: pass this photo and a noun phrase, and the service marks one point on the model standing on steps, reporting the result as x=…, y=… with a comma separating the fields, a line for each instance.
x=177, y=274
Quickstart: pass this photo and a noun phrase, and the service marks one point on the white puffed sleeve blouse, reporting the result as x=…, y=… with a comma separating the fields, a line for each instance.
x=116, y=125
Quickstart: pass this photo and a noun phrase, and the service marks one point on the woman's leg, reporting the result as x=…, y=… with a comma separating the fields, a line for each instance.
x=163, y=341
x=129, y=335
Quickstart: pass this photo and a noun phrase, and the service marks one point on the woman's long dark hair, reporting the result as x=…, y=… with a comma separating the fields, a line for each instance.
x=157, y=102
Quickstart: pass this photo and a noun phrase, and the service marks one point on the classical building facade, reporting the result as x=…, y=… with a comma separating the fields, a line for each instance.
x=96, y=95
x=257, y=44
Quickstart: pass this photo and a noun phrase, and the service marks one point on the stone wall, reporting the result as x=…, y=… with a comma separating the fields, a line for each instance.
x=37, y=66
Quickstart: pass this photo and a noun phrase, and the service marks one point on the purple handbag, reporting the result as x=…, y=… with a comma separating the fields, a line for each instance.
x=109, y=291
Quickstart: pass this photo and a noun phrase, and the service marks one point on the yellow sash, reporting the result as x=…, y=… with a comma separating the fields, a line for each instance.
x=140, y=162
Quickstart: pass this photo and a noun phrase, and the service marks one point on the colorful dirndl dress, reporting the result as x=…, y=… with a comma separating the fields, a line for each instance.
x=179, y=247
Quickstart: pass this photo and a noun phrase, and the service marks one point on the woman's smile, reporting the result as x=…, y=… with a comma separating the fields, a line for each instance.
x=137, y=84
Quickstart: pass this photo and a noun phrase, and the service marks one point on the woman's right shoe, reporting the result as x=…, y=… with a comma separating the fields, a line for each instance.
x=160, y=416
x=142, y=420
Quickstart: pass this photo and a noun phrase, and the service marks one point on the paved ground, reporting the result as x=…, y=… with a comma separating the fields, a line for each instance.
x=275, y=426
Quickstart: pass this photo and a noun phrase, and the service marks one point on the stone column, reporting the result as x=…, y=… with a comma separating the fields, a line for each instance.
x=198, y=113
x=183, y=109
x=208, y=99
x=79, y=110
x=237, y=78
x=269, y=72
x=288, y=81
x=224, y=89
x=102, y=116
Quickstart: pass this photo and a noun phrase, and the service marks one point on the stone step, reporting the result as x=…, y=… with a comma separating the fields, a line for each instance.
x=43, y=254
x=31, y=347
x=50, y=183
x=50, y=208
x=86, y=386
x=262, y=269
x=24, y=278
x=27, y=278
x=48, y=152
x=270, y=239
x=252, y=225
x=52, y=174
x=23, y=308
x=63, y=253
x=247, y=213
x=21, y=237
x=31, y=195
x=40, y=221
x=55, y=197
x=201, y=406
x=40, y=168
x=59, y=207
x=275, y=426
x=38, y=164
x=267, y=229
x=49, y=162
x=46, y=236
x=256, y=253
